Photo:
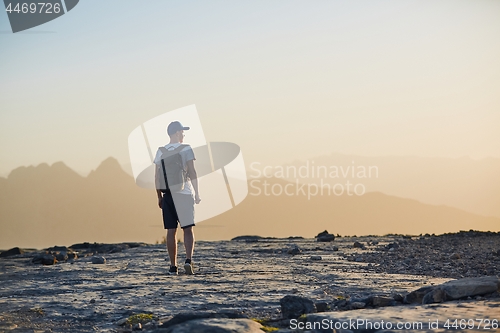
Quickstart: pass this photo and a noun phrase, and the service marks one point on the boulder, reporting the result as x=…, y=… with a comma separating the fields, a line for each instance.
x=295, y=306
x=453, y=290
x=104, y=248
x=44, y=259
x=249, y=239
x=216, y=325
x=57, y=249
x=456, y=289
x=436, y=295
x=189, y=316
x=417, y=296
x=322, y=306
x=61, y=256
x=12, y=252
x=357, y=305
x=382, y=301
x=324, y=236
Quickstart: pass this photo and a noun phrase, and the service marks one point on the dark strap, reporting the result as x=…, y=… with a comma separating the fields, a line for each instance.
x=165, y=177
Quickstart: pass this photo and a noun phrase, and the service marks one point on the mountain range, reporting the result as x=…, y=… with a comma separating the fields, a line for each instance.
x=53, y=205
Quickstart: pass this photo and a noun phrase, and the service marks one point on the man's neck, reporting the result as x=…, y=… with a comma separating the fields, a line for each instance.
x=173, y=142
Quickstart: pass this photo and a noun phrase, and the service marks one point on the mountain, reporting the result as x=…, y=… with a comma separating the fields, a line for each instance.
x=43, y=206
x=369, y=214
x=463, y=183
x=53, y=205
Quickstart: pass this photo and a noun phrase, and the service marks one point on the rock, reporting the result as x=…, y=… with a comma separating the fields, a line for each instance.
x=357, y=305
x=98, y=260
x=335, y=248
x=436, y=295
x=398, y=297
x=392, y=246
x=294, y=250
x=189, y=316
x=57, y=249
x=417, y=296
x=325, y=237
x=234, y=252
x=382, y=301
x=247, y=238
x=453, y=290
x=455, y=256
x=12, y=252
x=92, y=301
x=295, y=306
x=216, y=325
x=456, y=289
x=72, y=256
x=322, y=306
x=44, y=259
x=61, y=256
x=358, y=245
x=316, y=258
x=104, y=248
x=137, y=327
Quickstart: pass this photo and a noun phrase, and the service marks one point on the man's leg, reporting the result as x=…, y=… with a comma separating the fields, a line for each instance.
x=172, y=246
x=189, y=242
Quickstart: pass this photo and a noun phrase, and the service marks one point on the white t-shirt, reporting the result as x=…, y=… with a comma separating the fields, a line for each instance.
x=186, y=156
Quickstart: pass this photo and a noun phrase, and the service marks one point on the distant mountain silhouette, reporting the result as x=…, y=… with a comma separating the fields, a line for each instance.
x=43, y=206
x=464, y=183
x=369, y=214
x=47, y=205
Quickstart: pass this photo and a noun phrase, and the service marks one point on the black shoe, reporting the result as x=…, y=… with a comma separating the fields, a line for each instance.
x=188, y=266
x=173, y=270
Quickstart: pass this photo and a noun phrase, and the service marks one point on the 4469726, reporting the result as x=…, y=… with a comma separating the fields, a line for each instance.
x=34, y=7
x=479, y=324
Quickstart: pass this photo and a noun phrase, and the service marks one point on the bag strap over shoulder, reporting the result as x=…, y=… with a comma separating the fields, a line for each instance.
x=176, y=150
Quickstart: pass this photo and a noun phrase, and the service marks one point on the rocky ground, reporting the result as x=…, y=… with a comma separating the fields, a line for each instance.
x=113, y=288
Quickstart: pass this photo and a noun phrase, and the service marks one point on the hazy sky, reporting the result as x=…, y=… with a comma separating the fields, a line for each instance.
x=283, y=79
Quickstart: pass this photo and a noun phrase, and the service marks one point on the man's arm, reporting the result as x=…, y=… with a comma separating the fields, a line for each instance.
x=157, y=183
x=191, y=171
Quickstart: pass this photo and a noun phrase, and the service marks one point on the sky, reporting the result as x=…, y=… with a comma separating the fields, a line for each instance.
x=285, y=80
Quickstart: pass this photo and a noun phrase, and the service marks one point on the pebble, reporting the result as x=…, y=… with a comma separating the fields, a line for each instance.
x=358, y=245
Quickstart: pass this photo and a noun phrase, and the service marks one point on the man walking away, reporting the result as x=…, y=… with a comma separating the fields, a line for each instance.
x=177, y=205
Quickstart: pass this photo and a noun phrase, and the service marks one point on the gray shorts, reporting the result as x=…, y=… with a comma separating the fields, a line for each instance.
x=177, y=208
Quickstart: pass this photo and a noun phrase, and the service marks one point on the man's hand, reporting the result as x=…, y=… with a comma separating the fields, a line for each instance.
x=197, y=199
x=160, y=199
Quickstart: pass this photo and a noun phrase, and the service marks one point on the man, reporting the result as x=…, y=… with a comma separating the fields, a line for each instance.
x=178, y=207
